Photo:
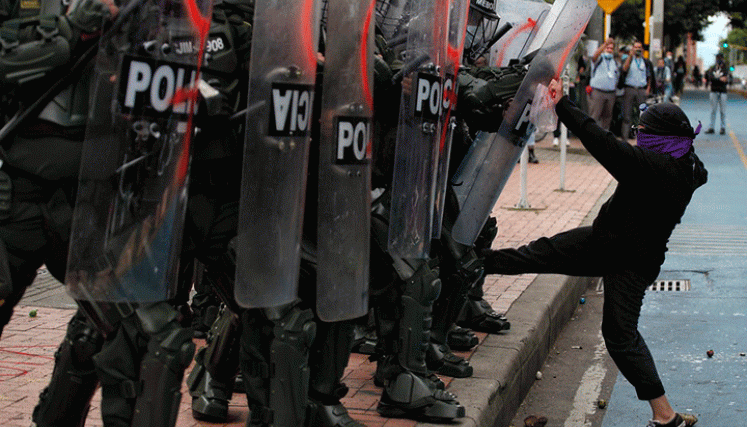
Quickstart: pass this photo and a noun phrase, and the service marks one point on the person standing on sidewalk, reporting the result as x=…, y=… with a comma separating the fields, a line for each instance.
x=637, y=86
x=718, y=77
x=679, y=73
x=697, y=77
x=605, y=71
x=663, y=80
x=627, y=241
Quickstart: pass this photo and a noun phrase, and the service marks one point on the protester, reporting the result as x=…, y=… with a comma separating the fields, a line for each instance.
x=718, y=76
x=627, y=241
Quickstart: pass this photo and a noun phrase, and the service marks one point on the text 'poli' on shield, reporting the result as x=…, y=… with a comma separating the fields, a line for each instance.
x=150, y=86
x=353, y=138
x=428, y=96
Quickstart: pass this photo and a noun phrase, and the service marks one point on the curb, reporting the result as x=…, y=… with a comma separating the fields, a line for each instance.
x=506, y=365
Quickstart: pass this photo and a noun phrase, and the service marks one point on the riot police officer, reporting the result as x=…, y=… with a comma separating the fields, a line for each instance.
x=210, y=224
x=41, y=154
x=40, y=162
x=403, y=293
x=291, y=361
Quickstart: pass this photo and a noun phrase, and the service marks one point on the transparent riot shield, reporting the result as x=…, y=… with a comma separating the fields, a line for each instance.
x=526, y=18
x=458, y=11
x=567, y=26
x=279, y=109
x=129, y=212
x=344, y=213
x=416, y=153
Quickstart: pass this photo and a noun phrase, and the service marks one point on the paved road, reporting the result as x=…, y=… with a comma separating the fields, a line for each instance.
x=707, y=258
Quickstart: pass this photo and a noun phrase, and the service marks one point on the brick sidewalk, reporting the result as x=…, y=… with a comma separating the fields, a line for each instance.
x=28, y=343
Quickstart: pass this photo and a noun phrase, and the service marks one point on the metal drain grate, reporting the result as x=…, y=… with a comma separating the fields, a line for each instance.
x=670, y=286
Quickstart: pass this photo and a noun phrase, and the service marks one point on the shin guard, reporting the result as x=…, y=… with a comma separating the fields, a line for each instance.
x=274, y=361
x=212, y=380
x=170, y=352
x=66, y=400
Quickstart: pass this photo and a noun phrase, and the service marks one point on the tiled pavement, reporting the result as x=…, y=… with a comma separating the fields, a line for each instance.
x=28, y=343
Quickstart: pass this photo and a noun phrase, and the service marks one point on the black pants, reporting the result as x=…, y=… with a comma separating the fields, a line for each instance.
x=32, y=237
x=577, y=253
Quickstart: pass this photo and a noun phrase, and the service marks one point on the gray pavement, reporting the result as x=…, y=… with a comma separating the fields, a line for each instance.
x=46, y=291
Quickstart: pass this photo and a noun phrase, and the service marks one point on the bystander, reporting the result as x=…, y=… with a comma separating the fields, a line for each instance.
x=718, y=76
x=605, y=72
x=637, y=85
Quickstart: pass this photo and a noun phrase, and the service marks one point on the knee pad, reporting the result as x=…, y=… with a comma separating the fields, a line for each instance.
x=66, y=400
x=161, y=372
x=144, y=391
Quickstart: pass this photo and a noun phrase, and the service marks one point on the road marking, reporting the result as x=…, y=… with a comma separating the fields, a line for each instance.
x=738, y=146
x=587, y=395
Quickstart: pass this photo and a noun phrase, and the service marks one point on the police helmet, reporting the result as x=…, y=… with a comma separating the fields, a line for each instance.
x=482, y=29
x=392, y=18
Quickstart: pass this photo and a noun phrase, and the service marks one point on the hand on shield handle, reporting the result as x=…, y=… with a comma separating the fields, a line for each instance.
x=89, y=15
x=214, y=98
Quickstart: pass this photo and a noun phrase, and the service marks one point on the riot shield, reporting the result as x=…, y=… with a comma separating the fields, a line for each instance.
x=276, y=148
x=526, y=17
x=129, y=212
x=416, y=152
x=458, y=11
x=567, y=20
x=344, y=214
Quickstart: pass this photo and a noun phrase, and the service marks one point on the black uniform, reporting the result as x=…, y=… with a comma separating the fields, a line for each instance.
x=41, y=157
x=209, y=225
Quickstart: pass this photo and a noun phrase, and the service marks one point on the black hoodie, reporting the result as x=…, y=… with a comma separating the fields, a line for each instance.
x=651, y=196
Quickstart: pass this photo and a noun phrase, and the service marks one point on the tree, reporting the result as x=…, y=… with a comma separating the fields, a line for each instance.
x=735, y=9
x=687, y=16
x=680, y=17
x=736, y=40
x=627, y=21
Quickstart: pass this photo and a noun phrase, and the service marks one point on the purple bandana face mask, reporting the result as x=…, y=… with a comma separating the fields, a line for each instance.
x=675, y=146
